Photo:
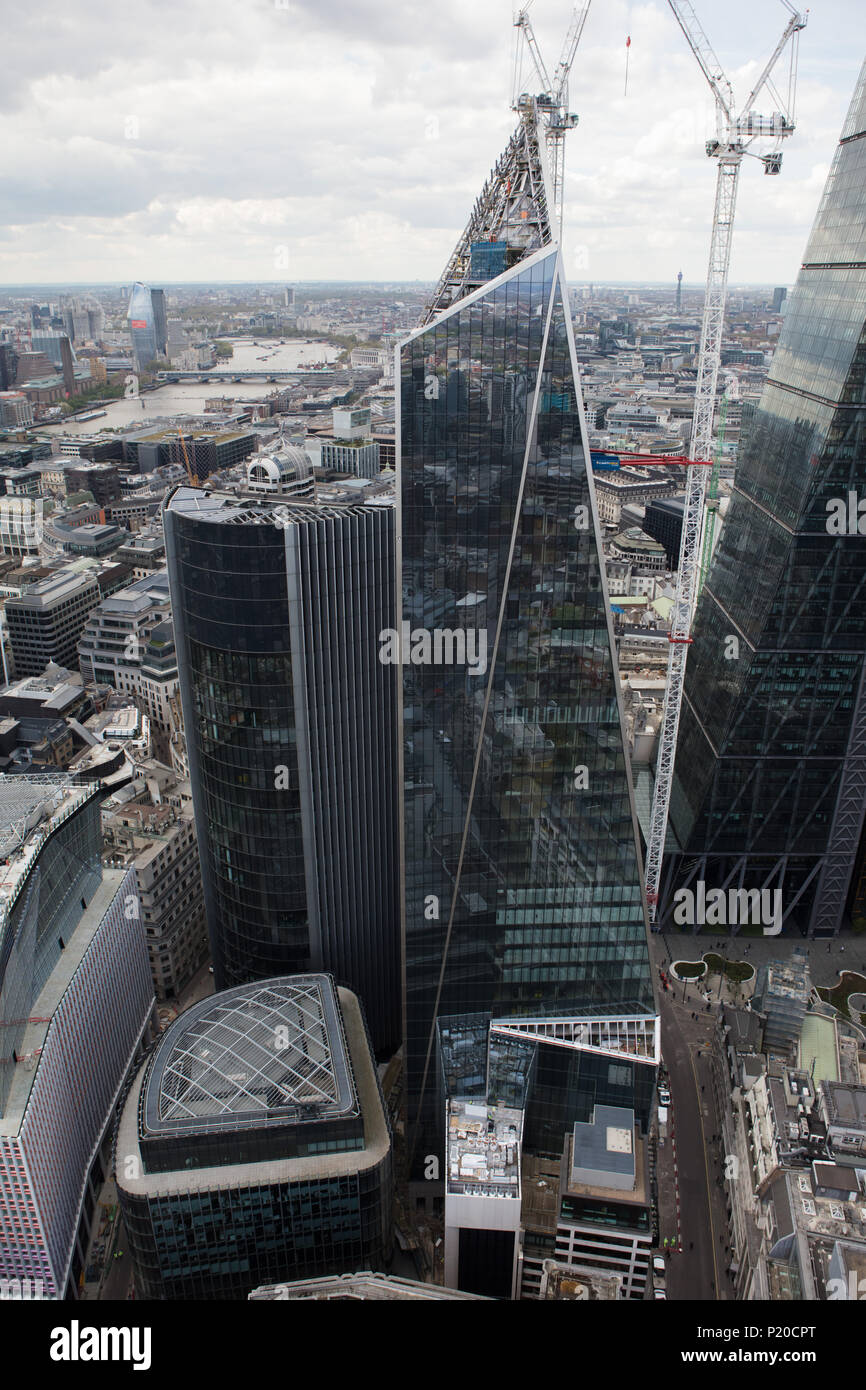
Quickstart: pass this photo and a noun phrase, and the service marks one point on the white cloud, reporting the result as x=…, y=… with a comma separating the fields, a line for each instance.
x=185, y=141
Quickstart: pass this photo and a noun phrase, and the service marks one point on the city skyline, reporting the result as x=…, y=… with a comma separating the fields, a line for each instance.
x=359, y=171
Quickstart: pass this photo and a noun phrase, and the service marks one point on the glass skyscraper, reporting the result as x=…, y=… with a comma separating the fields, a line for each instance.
x=522, y=880
x=770, y=784
x=290, y=728
x=148, y=327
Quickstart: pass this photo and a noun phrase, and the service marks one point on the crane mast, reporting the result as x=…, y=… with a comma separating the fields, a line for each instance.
x=734, y=135
x=553, y=98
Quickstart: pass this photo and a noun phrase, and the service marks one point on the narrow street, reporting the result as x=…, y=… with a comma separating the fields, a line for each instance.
x=692, y=1200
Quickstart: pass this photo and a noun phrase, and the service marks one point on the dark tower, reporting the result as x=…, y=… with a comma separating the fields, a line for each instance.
x=770, y=781
x=679, y=291
x=289, y=718
x=522, y=880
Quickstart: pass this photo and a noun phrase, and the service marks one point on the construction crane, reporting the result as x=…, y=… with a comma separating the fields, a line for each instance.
x=552, y=100
x=193, y=481
x=734, y=135
x=519, y=206
x=712, y=500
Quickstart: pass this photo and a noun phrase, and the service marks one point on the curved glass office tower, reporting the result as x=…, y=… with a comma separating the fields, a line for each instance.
x=148, y=326
x=523, y=898
x=289, y=719
x=770, y=784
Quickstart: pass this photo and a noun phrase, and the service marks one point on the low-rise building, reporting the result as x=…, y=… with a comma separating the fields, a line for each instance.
x=256, y=1145
x=157, y=839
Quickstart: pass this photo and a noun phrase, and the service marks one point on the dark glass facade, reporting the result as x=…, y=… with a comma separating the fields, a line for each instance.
x=771, y=766
x=522, y=877
x=221, y=1244
x=290, y=720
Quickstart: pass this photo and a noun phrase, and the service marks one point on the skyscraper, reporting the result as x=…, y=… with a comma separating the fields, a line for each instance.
x=290, y=727
x=770, y=782
x=521, y=873
x=147, y=324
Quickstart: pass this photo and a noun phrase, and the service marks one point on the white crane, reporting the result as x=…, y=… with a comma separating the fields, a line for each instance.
x=514, y=203
x=553, y=98
x=734, y=134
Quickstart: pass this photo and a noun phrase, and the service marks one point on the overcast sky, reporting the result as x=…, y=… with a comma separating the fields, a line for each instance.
x=174, y=140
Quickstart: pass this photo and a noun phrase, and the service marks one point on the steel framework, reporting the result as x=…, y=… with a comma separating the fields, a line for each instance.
x=735, y=134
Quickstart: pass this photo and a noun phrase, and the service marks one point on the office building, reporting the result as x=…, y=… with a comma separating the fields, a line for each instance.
x=770, y=780
x=101, y=480
x=157, y=840
x=289, y=714
x=663, y=522
x=148, y=327
x=591, y=1211
x=16, y=412
x=521, y=888
x=46, y=622
x=20, y=525
x=76, y=1007
x=256, y=1146
x=782, y=990
x=285, y=474
x=208, y=451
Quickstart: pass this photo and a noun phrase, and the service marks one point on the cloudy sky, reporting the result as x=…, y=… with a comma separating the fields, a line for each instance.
x=175, y=140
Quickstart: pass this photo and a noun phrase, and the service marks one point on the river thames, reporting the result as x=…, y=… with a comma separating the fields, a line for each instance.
x=189, y=398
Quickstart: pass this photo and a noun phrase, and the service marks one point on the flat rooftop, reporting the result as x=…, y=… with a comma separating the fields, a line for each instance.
x=483, y=1149
x=639, y=1194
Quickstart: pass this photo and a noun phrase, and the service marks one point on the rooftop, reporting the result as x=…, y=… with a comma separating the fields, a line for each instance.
x=363, y=1285
x=606, y=1144
x=483, y=1149
x=258, y=1053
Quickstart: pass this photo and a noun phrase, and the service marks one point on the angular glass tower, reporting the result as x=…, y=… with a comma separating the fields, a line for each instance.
x=522, y=881
x=770, y=783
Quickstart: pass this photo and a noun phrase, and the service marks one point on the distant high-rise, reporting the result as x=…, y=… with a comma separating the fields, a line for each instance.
x=67, y=367
x=521, y=876
x=679, y=291
x=290, y=724
x=780, y=294
x=770, y=783
x=148, y=326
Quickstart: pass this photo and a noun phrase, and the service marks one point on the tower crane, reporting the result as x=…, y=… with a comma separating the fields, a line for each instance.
x=734, y=135
x=553, y=98
x=712, y=499
x=519, y=204
x=193, y=481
